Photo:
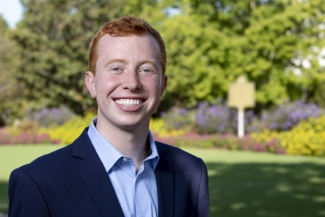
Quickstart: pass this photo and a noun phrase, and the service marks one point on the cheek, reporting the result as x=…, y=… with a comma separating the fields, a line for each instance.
x=105, y=85
x=156, y=87
x=153, y=84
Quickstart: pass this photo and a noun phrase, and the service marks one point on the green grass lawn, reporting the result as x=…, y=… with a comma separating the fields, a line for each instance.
x=260, y=184
x=241, y=184
x=12, y=157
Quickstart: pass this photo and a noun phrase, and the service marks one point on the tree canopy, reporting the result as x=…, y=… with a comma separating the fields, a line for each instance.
x=53, y=38
x=209, y=44
x=11, y=92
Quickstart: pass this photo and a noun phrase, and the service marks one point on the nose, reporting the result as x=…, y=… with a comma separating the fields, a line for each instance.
x=132, y=81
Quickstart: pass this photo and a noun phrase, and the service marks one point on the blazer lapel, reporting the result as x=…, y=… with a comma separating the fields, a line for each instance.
x=165, y=184
x=95, y=177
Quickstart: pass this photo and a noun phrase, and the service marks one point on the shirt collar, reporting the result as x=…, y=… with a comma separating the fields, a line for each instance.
x=109, y=155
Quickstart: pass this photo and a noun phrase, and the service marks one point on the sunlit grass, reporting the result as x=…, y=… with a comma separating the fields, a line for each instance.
x=262, y=184
x=240, y=183
x=12, y=157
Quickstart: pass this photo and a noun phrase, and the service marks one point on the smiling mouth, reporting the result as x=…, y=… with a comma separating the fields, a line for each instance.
x=129, y=102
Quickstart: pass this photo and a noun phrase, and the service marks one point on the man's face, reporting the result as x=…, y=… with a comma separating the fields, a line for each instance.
x=128, y=82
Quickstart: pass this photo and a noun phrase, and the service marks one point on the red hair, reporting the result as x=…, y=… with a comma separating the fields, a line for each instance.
x=125, y=26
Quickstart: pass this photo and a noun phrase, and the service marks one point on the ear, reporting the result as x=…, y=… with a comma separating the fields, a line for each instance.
x=163, y=84
x=90, y=83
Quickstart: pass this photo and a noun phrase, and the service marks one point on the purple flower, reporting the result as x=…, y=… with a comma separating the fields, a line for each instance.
x=288, y=115
x=50, y=117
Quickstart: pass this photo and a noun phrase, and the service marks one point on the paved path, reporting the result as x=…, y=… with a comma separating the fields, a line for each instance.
x=3, y=215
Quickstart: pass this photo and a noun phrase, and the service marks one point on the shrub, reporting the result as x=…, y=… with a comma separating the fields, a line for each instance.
x=193, y=140
x=269, y=140
x=286, y=116
x=213, y=118
x=228, y=143
x=24, y=133
x=308, y=138
x=50, y=117
x=20, y=127
x=218, y=118
x=248, y=143
x=69, y=131
x=159, y=128
x=265, y=136
x=178, y=118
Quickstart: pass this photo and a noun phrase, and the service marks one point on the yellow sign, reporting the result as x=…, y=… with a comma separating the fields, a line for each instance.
x=241, y=94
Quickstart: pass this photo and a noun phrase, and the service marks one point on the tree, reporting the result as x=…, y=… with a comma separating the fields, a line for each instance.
x=53, y=38
x=10, y=90
x=210, y=43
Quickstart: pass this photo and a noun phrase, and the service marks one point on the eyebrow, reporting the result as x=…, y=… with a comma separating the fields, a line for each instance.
x=154, y=64
x=114, y=60
x=150, y=62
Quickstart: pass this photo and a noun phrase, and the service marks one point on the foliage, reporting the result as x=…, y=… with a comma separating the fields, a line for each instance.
x=211, y=43
x=25, y=138
x=308, y=138
x=11, y=92
x=3, y=25
x=194, y=74
x=218, y=118
x=285, y=116
x=320, y=94
x=249, y=144
x=214, y=118
x=24, y=133
x=19, y=127
x=53, y=49
x=193, y=140
x=265, y=136
x=227, y=141
x=178, y=118
x=160, y=129
x=70, y=130
x=50, y=117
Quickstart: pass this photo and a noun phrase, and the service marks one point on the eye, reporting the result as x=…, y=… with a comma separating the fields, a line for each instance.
x=116, y=70
x=147, y=71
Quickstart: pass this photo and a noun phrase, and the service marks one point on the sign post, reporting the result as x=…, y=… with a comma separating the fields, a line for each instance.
x=241, y=95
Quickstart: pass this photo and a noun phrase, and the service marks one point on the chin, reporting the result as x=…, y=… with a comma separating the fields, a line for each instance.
x=133, y=125
x=129, y=127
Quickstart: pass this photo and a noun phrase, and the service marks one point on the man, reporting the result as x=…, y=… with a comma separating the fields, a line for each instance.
x=115, y=168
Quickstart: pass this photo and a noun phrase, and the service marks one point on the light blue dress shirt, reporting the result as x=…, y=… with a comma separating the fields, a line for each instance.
x=136, y=193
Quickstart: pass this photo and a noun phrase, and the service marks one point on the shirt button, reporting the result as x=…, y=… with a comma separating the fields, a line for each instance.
x=125, y=160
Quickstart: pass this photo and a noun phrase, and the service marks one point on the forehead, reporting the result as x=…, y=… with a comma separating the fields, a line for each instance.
x=132, y=45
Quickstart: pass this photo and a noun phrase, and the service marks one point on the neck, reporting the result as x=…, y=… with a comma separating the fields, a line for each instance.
x=131, y=143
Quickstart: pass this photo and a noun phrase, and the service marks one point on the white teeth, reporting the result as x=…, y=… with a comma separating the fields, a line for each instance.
x=128, y=102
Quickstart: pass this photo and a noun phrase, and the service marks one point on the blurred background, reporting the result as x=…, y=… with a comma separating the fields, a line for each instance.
x=274, y=170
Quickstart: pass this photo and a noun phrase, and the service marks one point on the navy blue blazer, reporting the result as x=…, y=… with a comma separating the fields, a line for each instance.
x=72, y=181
